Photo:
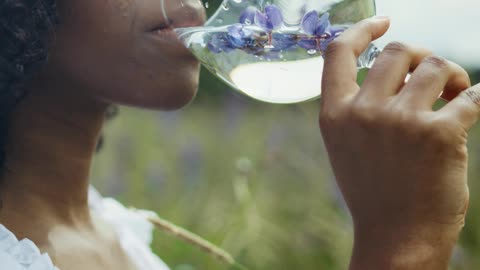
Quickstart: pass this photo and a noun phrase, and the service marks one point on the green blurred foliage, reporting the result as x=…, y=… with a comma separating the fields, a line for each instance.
x=253, y=178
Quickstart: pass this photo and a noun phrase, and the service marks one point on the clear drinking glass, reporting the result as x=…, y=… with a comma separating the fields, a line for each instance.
x=271, y=50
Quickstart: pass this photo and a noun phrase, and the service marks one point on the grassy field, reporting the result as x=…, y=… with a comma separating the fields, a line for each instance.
x=251, y=177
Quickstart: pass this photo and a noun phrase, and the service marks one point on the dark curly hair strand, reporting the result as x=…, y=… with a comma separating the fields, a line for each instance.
x=23, y=25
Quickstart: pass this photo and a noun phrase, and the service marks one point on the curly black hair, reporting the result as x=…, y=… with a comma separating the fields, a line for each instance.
x=23, y=48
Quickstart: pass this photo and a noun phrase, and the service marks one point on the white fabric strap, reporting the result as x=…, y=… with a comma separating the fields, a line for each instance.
x=21, y=255
x=134, y=232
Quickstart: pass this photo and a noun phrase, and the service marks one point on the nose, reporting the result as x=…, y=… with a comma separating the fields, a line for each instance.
x=184, y=13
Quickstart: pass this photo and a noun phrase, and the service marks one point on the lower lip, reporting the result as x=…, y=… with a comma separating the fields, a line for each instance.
x=165, y=34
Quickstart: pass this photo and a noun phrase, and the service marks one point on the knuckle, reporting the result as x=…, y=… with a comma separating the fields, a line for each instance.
x=437, y=61
x=396, y=47
x=461, y=77
x=404, y=123
x=460, y=71
x=328, y=118
x=437, y=131
x=364, y=114
x=466, y=77
x=335, y=47
x=399, y=119
x=472, y=95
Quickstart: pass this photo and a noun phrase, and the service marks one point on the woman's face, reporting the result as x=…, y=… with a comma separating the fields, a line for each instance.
x=120, y=51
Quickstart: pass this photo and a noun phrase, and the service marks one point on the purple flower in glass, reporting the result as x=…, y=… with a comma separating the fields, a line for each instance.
x=332, y=33
x=335, y=31
x=308, y=44
x=271, y=19
x=313, y=25
x=320, y=29
x=283, y=41
x=248, y=15
x=238, y=35
x=220, y=43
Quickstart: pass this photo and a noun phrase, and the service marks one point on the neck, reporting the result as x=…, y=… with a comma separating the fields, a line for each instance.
x=52, y=139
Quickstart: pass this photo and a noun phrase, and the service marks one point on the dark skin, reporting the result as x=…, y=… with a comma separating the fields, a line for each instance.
x=110, y=51
x=401, y=166
x=103, y=52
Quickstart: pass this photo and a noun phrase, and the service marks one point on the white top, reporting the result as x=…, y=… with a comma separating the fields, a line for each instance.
x=133, y=230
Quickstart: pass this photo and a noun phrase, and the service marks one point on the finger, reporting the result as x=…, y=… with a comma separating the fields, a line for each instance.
x=340, y=72
x=450, y=93
x=387, y=76
x=465, y=108
x=430, y=79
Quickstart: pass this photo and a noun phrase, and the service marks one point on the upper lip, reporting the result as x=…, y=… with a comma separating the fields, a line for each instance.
x=186, y=16
x=160, y=26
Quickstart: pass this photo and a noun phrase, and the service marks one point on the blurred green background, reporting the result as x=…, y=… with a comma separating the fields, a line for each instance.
x=253, y=178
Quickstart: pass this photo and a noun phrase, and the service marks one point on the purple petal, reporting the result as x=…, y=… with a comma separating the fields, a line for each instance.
x=308, y=44
x=283, y=41
x=309, y=22
x=213, y=48
x=324, y=43
x=322, y=24
x=262, y=21
x=235, y=35
x=235, y=30
x=274, y=16
x=238, y=35
x=220, y=43
x=335, y=31
x=248, y=15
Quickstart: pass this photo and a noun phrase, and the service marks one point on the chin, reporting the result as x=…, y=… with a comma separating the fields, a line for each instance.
x=180, y=91
x=178, y=99
x=173, y=96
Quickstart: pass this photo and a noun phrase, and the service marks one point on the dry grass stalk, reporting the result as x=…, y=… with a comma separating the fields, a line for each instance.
x=195, y=240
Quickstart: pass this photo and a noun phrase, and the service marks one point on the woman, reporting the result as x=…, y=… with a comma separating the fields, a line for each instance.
x=406, y=216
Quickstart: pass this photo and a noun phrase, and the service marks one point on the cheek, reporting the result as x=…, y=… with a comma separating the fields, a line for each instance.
x=162, y=86
x=100, y=48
